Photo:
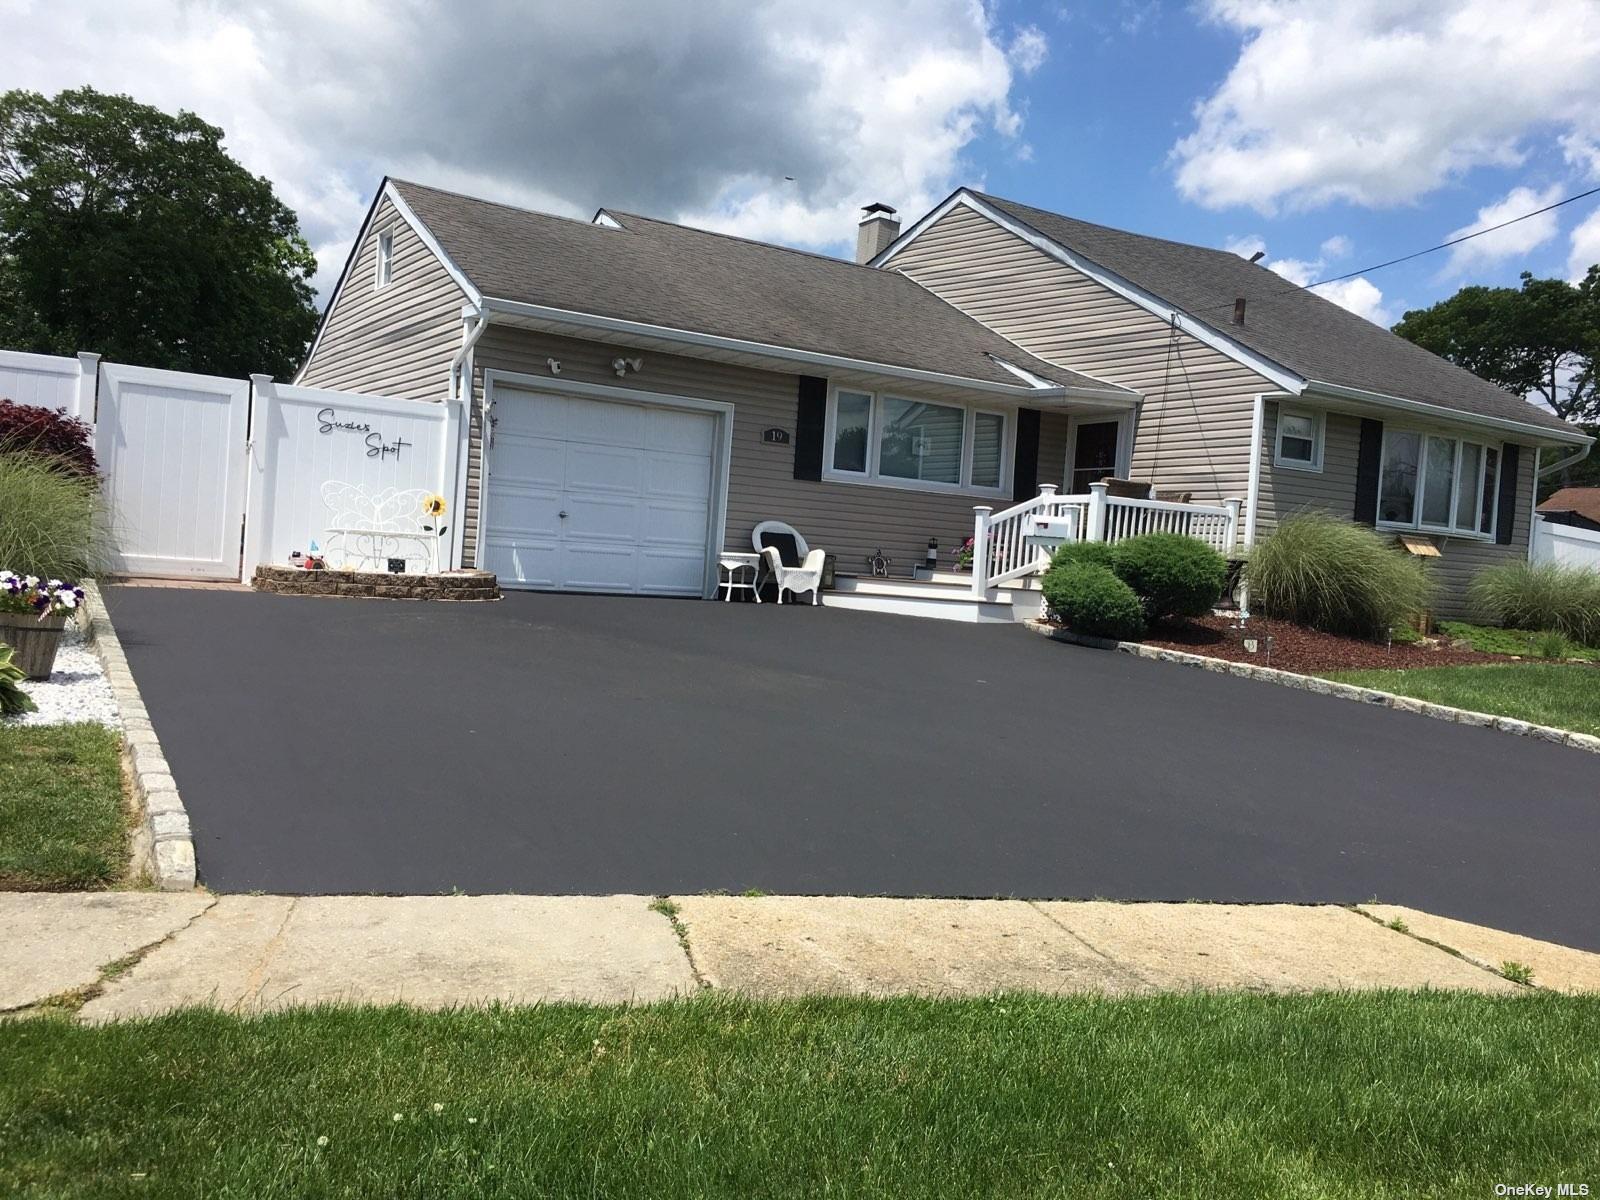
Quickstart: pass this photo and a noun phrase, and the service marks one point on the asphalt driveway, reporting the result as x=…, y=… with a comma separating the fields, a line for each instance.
x=560, y=743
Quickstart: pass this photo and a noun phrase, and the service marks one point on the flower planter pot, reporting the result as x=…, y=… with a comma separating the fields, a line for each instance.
x=35, y=641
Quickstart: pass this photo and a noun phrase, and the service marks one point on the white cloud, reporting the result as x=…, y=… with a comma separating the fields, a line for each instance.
x=1360, y=295
x=1029, y=49
x=1585, y=246
x=1335, y=247
x=1376, y=102
x=1246, y=246
x=1509, y=242
x=696, y=113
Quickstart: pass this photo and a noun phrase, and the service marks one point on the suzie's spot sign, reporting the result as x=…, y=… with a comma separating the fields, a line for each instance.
x=328, y=422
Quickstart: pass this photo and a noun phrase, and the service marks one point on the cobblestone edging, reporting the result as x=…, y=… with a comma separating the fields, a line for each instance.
x=449, y=585
x=1327, y=687
x=163, y=845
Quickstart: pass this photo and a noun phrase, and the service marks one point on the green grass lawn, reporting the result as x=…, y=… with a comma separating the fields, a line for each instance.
x=1330, y=1095
x=1492, y=640
x=1566, y=696
x=62, y=820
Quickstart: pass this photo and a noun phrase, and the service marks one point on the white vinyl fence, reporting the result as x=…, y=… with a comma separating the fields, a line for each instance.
x=1565, y=544
x=308, y=444
x=206, y=478
x=45, y=381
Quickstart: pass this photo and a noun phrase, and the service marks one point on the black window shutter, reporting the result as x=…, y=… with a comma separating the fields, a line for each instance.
x=1507, y=519
x=811, y=416
x=1025, y=471
x=1369, y=462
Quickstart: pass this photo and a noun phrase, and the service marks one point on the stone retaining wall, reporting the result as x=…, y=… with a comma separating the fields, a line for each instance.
x=449, y=585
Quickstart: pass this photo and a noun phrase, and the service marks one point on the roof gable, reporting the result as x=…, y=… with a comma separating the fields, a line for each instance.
x=635, y=268
x=1289, y=333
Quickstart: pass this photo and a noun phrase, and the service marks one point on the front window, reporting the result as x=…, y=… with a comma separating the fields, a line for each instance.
x=1436, y=482
x=850, y=426
x=901, y=442
x=920, y=441
x=1300, y=440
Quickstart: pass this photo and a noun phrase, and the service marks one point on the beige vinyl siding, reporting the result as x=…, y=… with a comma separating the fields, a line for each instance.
x=396, y=340
x=1285, y=491
x=852, y=521
x=1194, y=431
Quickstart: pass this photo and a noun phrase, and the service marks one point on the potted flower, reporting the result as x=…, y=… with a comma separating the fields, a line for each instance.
x=963, y=555
x=33, y=613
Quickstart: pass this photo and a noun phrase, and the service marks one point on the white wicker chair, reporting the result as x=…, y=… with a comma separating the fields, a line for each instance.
x=807, y=577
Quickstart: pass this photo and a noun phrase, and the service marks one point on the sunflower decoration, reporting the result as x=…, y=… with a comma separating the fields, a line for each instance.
x=433, y=505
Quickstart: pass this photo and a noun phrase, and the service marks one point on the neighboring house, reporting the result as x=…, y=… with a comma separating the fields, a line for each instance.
x=1575, y=506
x=654, y=391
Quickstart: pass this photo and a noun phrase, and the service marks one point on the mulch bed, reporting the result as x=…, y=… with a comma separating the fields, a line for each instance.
x=1296, y=648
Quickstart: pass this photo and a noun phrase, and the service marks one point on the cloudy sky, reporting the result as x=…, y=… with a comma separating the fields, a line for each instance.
x=1330, y=135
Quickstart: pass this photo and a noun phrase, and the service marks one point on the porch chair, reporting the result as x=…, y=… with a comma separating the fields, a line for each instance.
x=788, y=560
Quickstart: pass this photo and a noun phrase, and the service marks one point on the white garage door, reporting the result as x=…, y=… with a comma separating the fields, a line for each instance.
x=598, y=496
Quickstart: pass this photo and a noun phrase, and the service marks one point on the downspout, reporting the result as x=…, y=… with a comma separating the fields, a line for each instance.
x=1252, y=497
x=1539, y=472
x=460, y=384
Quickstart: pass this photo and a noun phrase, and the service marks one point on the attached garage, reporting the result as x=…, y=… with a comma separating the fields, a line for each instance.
x=595, y=489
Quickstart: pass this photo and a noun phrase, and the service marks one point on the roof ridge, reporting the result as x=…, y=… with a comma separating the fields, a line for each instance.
x=1149, y=237
x=516, y=208
x=734, y=237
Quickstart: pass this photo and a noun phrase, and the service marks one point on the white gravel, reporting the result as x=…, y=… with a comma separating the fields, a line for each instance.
x=77, y=689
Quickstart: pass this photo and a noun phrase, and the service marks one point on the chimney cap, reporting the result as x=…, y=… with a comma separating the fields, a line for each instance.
x=875, y=208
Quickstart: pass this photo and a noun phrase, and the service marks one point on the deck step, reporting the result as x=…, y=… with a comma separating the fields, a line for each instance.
x=945, y=600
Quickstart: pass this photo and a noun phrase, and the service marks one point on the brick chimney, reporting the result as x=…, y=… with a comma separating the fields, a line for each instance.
x=878, y=228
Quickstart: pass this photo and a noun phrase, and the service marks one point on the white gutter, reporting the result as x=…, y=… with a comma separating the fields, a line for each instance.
x=460, y=384
x=1017, y=391
x=1453, y=416
x=1258, y=422
x=1577, y=456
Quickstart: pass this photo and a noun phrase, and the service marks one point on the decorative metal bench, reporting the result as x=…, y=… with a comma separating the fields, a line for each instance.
x=366, y=532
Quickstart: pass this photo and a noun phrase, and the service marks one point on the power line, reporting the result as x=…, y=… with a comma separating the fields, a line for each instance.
x=1291, y=286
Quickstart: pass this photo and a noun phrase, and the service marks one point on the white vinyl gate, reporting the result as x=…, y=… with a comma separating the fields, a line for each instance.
x=172, y=447
x=206, y=477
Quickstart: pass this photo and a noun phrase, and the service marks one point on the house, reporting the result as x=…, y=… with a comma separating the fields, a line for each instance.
x=1578, y=507
x=642, y=394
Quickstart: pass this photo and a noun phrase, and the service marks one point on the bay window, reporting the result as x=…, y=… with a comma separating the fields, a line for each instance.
x=895, y=441
x=1438, y=483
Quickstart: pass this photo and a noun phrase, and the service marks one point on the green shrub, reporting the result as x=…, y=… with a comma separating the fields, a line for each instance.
x=50, y=519
x=1325, y=572
x=1173, y=575
x=1552, y=643
x=1096, y=553
x=13, y=700
x=1093, y=601
x=1540, y=596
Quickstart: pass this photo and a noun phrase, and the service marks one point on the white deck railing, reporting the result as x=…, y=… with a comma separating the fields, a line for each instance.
x=1005, y=549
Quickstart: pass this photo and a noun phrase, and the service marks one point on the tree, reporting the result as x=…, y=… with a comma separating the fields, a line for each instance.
x=131, y=232
x=1540, y=340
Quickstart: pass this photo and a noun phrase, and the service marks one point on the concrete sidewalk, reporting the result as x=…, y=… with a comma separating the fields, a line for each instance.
x=117, y=955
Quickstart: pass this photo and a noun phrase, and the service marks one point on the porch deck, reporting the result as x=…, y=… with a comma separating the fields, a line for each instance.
x=1013, y=547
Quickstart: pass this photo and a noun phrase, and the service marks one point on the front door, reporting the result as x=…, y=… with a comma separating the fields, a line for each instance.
x=1094, y=454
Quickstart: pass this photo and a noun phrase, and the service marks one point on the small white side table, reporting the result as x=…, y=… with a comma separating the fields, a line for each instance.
x=731, y=570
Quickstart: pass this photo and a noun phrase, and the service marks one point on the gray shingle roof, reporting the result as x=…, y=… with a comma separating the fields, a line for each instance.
x=1297, y=329
x=664, y=274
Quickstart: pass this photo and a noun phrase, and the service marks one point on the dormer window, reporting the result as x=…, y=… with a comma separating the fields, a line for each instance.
x=385, y=257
